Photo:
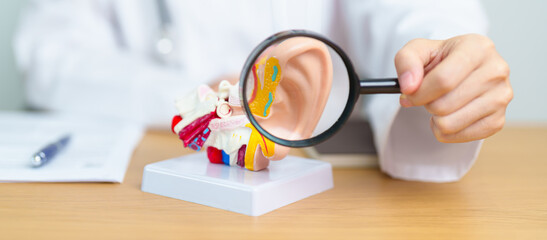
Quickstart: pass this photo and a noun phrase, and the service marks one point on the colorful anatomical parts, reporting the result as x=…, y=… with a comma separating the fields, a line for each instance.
x=256, y=140
x=266, y=77
x=209, y=122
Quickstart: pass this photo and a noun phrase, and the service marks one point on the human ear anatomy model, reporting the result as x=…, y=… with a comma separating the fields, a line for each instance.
x=215, y=120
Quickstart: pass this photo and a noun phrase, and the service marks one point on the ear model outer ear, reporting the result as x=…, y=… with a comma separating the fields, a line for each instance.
x=305, y=85
x=302, y=93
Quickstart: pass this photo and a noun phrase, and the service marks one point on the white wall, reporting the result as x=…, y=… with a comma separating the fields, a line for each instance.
x=10, y=85
x=519, y=29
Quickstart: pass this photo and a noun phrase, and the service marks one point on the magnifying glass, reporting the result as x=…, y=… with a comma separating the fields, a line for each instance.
x=298, y=88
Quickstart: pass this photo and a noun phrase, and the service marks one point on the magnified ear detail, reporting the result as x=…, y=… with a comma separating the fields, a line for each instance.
x=289, y=86
x=298, y=88
x=266, y=77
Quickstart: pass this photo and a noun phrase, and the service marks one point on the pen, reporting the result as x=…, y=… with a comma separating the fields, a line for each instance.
x=49, y=152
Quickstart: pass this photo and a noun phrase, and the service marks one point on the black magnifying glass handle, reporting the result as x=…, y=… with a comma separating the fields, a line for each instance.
x=379, y=85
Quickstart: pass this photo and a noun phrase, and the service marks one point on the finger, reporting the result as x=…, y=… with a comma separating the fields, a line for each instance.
x=460, y=59
x=411, y=60
x=459, y=120
x=481, y=129
x=478, y=82
x=486, y=104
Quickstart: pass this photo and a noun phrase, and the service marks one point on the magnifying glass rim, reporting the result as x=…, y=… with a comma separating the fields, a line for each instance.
x=352, y=78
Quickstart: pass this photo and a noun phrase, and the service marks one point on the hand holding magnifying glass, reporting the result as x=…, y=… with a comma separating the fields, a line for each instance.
x=463, y=82
x=466, y=88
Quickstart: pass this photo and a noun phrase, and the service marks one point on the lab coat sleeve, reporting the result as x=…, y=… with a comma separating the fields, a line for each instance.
x=73, y=61
x=405, y=144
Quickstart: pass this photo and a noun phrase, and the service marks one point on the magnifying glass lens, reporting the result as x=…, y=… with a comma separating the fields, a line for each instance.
x=296, y=88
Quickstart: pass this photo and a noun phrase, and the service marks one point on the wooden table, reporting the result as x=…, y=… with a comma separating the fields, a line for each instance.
x=504, y=196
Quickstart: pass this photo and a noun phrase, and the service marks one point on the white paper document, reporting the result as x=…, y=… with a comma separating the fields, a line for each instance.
x=99, y=149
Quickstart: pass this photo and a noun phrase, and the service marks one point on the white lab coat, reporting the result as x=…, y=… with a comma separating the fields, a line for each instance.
x=96, y=57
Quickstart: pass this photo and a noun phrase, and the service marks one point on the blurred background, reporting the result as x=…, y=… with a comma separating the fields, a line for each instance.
x=517, y=27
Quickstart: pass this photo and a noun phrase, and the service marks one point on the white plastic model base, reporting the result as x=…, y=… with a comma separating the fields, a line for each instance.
x=192, y=178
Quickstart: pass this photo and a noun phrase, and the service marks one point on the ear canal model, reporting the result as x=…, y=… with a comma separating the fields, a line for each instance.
x=295, y=79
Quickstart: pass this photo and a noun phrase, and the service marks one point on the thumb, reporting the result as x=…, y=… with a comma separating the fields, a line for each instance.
x=411, y=60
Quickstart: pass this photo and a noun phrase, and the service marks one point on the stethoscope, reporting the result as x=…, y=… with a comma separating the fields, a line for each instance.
x=165, y=47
